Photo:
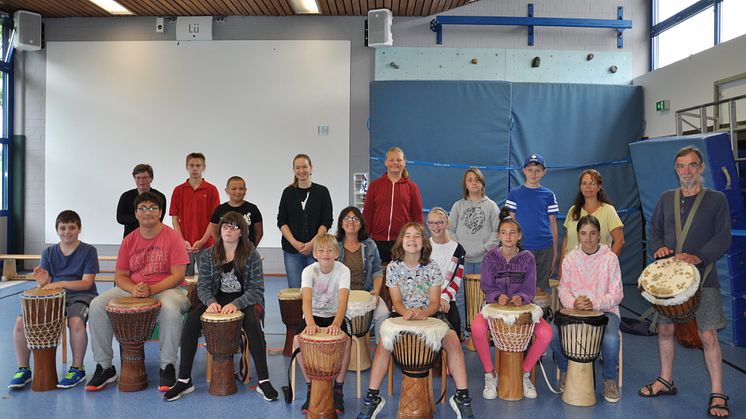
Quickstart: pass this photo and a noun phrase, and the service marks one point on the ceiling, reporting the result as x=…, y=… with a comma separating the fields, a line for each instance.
x=84, y=8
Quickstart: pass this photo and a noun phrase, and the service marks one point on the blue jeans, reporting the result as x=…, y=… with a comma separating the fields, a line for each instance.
x=294, y=264
x=469, y=268
x=609, y=350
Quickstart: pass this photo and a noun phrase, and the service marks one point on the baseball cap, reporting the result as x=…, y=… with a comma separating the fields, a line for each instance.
x=534, y=158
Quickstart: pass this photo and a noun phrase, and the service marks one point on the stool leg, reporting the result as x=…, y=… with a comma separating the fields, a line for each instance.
x=621, y=363
x=247, y=357
x=391, y=376
x=443, y=374
x=356, y=344
x=292, y=378
x=64, y=342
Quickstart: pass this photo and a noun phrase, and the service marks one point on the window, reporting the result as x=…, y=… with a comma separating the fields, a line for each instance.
x=5, y=70
x=734, y=12
x=686, y=38
x=668, y=8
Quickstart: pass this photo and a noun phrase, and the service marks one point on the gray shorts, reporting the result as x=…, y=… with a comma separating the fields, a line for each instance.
x=709, y=314
x=543, y=259
x=77, y=307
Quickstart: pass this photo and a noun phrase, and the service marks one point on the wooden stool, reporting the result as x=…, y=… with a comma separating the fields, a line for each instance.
x=620, y=367
x=553, y=284
x=361, y=360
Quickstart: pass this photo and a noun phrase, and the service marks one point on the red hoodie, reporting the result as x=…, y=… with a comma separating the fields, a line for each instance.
x=388, y=206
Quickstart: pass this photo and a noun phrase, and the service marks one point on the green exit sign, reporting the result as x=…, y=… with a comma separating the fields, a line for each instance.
x=662, y=105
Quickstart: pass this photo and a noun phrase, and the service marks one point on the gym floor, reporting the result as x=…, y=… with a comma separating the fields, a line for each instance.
x=640, y=367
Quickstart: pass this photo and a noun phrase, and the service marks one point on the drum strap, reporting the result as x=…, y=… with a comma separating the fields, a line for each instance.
x=681, y=233
x=287, y=390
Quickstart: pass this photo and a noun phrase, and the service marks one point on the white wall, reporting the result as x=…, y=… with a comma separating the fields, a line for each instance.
x=689, y=82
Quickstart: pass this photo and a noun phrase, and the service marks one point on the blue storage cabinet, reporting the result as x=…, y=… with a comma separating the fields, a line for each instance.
x=653, y=163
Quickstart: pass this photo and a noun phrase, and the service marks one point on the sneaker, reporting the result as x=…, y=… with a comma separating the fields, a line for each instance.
x=101, y=378
x=490, y=386
x=21, y=378
x=372, y=406
x=462, y=407
x=611, y=391
x=179, y=389
x=267, y=391
x=168, y=378
x=529, y=391
x=339, y=401
x=73, y=377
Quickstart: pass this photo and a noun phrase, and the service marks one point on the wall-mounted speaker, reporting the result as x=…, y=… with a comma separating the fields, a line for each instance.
x=28, y=30
x=379, y=28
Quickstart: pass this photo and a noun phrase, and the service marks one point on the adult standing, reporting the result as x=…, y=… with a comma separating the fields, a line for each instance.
x=305, y=212
x=143, y=175
x=705, y=213
x=359, y=253
x=392, y=200
x=591, y=199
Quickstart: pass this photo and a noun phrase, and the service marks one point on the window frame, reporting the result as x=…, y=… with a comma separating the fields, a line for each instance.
x=6, y=68
x=677, y=18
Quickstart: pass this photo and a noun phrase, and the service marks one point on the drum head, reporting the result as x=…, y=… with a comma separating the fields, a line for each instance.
x=42, y=293
x=221, y=317
x=191, y=279
x=359, y=296
x=666, y=278
x=289, y=294
x=323, y=336
x=580, y=313
x=132, y=302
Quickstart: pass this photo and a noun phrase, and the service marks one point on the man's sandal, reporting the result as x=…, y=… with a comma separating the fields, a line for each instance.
x=723, y=406
x=668, y=390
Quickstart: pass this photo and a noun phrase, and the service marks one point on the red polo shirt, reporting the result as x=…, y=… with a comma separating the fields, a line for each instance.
x=194, y=206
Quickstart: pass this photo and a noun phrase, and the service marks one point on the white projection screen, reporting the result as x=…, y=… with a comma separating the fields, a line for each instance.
x=249, y=106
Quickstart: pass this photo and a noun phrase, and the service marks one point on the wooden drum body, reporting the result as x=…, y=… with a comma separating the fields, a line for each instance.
x=132, y=320
x=360, y=308
x=222, y=334
x=414, y=345
x=581, y=334
x=672, y=287
x=192, y=292
x=474, y=299
x=291, y=311
x=43, y=320
x=322, y=360
x=512, y=328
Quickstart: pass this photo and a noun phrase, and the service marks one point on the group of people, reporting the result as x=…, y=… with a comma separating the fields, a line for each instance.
x=516, y=253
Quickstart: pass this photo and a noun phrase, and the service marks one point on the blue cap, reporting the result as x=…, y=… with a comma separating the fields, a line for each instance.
x=534, y=158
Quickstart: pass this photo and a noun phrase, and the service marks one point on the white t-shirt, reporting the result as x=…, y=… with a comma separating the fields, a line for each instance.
x=325, y=287
x=442, y=254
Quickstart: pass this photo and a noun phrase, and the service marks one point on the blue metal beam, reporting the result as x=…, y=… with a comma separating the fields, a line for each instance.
x=436, y=25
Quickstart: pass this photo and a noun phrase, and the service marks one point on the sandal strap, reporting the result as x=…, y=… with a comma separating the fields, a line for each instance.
x=719, y=396
x=669, y=385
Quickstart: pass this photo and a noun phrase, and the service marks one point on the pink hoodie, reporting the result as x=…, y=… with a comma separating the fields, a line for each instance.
x=595, y=276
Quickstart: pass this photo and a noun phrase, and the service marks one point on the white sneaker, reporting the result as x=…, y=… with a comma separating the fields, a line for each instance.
x=529, y=391
x=490, y=386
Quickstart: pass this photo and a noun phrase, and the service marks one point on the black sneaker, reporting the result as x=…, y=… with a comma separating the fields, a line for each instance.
x=101, y=378
x=267, y=391
x=462, y=407
x=372, y=406
x=179, y=389
x=339, y=401
x=168, y=377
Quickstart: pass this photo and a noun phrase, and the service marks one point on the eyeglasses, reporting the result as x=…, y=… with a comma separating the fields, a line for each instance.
x=230, y=227
x=148, y=209
x=435, y=223
x=591, y=183
x=351, y=219
x=692, y=166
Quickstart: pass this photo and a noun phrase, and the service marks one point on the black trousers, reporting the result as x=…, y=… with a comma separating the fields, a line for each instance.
x=252, y=325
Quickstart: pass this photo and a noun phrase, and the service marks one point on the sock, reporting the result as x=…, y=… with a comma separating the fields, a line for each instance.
x=462, y=394
x=77, y=368
x=372, y=393
x=338, y=386
x=266, y=380
x=527, y=373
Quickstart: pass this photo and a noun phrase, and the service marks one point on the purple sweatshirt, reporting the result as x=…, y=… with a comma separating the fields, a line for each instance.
x=517, y=277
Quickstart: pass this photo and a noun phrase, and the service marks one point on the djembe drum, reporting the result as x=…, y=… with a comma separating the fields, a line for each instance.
x=360, y=306
x=322, y=356
x=543, y=300
x=672, y=287
x=132, y=320
x=222, y=334
x=474, y=300
x=291, y=311
x=581, y=334
x=192, y=292
x=511, y=328
x=414, y=345
x=43, y=320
